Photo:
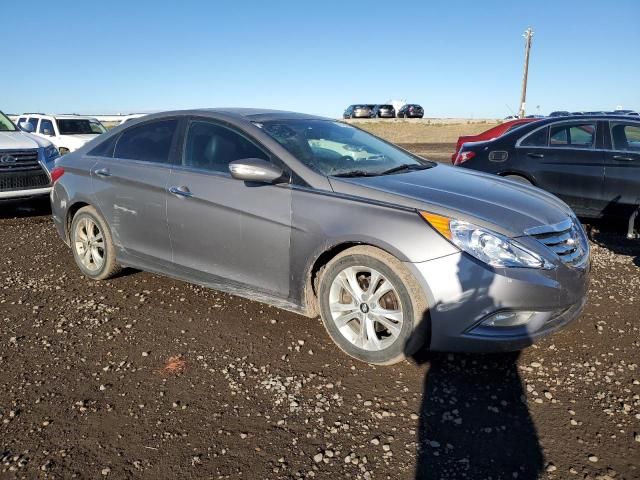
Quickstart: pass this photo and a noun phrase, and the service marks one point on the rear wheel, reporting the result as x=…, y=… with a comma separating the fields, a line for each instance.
x=63, y=150
x=519, y=179
x=370, y=304
x=92, y=246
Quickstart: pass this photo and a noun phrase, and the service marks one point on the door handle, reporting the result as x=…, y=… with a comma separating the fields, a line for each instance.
x=535, y=155
x=181, y=191
x=103, y=172
x=622, y=157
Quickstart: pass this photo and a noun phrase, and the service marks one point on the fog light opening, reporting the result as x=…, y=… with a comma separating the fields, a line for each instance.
x=508, y=319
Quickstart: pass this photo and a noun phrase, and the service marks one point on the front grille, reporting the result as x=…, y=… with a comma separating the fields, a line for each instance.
x=566, y=239
x=19, y=161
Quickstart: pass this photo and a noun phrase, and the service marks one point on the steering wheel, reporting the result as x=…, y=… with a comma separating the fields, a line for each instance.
x=341, y=163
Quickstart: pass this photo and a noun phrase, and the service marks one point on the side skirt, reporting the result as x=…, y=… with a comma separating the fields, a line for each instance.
x=210, y=281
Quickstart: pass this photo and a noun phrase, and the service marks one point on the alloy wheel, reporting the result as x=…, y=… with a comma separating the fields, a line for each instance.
x=365, y=307
x=89, y=244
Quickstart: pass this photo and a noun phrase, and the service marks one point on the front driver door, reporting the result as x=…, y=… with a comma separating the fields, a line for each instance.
x=226, y=229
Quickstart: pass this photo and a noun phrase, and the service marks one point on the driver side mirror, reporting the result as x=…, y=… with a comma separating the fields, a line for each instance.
x=27, y=127
x=255, y=170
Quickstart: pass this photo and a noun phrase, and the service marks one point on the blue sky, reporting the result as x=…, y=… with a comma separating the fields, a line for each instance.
x=456, y=58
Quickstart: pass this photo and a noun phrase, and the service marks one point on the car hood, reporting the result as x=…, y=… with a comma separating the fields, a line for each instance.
x=81, y=138
x=490, y=201
x=21, y=141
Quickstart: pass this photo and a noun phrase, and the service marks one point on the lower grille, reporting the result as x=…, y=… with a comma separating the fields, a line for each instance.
x=566, y=239
x=24, y=181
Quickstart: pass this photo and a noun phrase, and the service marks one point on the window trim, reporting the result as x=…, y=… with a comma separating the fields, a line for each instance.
x=565, y=122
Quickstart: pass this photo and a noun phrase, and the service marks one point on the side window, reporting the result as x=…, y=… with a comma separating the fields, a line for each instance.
x=46, y=127
x=34, y=121
x=212, y=147
x=625, y=137
x=150, y=142
x=580, y=135
x=104, y=149
x=21, y=120
x=537, y=138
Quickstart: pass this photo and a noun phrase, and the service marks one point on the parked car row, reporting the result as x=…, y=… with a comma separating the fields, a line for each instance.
x=409, y=110
x=592, y=162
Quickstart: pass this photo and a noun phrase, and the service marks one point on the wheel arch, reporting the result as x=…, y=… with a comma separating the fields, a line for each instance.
x=518, y=173
x=72, y=210
x=320, y=260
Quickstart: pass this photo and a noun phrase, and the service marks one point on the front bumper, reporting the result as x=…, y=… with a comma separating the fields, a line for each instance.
x=462, y=292
x=27, y=193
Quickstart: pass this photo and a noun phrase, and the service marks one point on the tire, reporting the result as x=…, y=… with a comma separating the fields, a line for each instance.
x=63, y=151
x=519, y=179
x=357, y=327
x=97, y=261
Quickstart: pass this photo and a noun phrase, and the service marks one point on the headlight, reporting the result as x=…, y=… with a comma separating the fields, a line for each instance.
x=50, y=153
x=485, y=245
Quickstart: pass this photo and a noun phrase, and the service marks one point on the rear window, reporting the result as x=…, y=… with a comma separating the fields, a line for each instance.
x=79, y=126
x=537, y=138
x=105, y=149
x=149, y=142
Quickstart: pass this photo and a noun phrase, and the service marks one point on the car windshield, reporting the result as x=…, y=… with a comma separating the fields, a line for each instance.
x=337, y=149
x=6, y=125
x=74, y=126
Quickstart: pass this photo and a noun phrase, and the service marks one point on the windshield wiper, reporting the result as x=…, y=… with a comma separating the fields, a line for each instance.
x=405, y=167
x=355, y=173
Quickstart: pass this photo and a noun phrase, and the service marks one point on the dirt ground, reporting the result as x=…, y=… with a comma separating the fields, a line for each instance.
x=148, y=377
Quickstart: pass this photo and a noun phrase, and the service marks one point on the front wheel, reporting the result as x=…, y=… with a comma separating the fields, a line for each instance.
x=63, y=151
x=370, y=305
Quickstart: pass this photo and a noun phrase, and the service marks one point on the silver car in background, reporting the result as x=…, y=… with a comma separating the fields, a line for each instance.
x=392, y=251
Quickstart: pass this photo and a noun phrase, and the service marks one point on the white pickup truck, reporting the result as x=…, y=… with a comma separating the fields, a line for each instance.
x=25, y=162
x=66, y=132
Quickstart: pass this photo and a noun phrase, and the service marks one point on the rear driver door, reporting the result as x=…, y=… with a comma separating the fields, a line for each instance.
x=130, y=184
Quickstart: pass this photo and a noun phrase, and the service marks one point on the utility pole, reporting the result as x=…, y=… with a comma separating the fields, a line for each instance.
x=528, y=35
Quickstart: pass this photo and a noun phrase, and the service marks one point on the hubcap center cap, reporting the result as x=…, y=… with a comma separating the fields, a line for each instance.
x=364, y=308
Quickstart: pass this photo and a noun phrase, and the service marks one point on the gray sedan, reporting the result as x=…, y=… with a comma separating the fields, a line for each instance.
x=394, y=252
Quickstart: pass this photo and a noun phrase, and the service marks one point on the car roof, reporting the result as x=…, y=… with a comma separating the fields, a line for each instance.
x=248, y=114
x=63, y=116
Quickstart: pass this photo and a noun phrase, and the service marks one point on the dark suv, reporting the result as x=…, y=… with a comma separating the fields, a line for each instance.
x=591, y=162
x=411, y=110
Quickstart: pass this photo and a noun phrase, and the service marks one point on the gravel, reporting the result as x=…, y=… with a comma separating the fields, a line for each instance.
x=145, y=376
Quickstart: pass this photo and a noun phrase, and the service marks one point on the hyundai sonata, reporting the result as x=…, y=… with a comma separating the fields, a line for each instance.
x=394, y=252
